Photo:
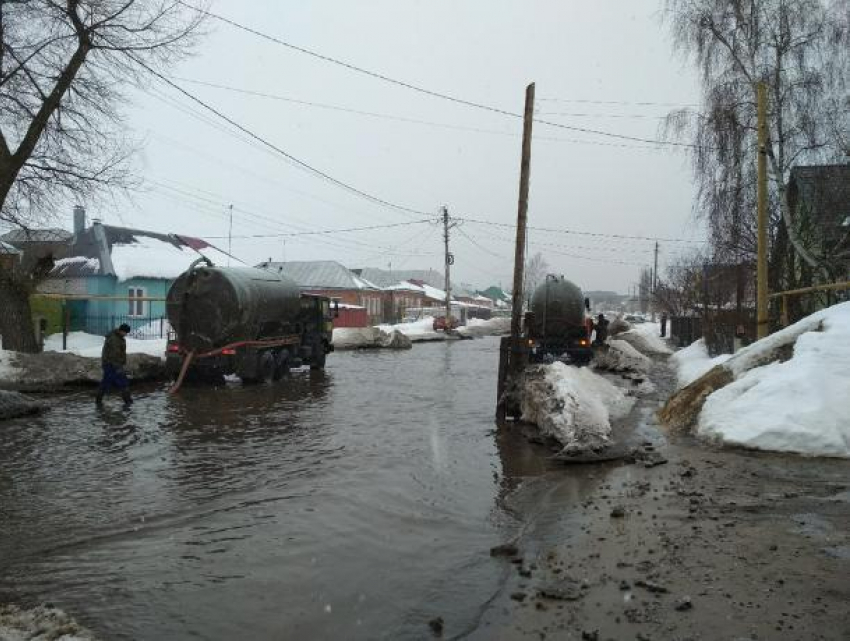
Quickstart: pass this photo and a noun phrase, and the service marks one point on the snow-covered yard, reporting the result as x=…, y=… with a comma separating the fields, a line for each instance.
x=90, y=345
x=789, y=392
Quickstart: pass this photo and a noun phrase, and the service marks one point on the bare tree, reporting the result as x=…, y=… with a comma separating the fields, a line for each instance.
x=535, y=273
x=800, y=49
x=63, y=65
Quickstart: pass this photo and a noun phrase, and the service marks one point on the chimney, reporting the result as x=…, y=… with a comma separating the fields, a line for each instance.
x=79, y=219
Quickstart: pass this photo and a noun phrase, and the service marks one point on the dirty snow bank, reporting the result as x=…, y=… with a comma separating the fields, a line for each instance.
x=620, y=356
x=91, y=345
x=572, y=405
x=14, y=405
x=9, y=371
x=369, y=337
x=800, y=405
x=41, y=623
x=646, y=338
x=693, y=361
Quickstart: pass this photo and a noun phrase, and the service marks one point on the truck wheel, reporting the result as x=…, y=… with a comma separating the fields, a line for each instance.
x=319, y=356
x=281, y=368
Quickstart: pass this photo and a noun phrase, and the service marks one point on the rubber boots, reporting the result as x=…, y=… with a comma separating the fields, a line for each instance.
x=128, y=400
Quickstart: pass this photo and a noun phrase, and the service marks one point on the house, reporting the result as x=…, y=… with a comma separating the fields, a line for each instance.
x=110, y=274
x=820, y=196
x=334, y=280
x=390, y=277
x=501, y=299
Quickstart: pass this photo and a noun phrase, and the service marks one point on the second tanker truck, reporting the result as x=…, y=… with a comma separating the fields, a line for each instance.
x=254, y=323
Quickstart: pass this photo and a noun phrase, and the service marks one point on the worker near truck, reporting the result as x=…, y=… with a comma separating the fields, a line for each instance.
x=601, y=327
x=113, y=359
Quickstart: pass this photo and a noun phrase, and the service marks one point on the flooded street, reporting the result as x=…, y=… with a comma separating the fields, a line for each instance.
x=359, y=502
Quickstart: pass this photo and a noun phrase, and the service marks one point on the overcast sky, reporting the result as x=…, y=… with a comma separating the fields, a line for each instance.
x=484, y=51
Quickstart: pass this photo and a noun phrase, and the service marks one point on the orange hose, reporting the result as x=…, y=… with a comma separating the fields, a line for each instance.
x=186, y=362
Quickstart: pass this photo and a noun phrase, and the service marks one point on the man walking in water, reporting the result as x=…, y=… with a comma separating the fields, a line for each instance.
x=113, y=358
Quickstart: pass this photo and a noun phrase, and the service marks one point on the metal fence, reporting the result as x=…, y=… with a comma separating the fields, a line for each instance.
x=720, y=328
x=144, y=328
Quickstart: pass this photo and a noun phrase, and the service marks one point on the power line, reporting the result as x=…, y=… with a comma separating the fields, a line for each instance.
x=581, y=233
x=331, y=231
x=405, y=119
x=423, y=90
x=583, y=101
x=297, y=161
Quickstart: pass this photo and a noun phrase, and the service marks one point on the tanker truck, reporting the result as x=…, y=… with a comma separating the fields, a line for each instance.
x=246, y=321
x=556, y=326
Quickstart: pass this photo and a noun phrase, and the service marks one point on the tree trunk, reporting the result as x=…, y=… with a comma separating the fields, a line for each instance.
x=16, y=326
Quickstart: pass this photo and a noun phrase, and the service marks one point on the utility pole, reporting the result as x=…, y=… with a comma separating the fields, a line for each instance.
x=652, y=301
x=450, y=259
x=230, y=236
x=522, y=219
x=761, y=264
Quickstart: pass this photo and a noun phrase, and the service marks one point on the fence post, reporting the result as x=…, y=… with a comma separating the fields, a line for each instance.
x=65, y=313
x=785, y=310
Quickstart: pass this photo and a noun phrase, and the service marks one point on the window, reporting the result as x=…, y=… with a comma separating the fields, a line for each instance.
x=136, y=307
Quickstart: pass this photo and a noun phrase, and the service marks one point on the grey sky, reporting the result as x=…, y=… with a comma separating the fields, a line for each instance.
x=481, y=50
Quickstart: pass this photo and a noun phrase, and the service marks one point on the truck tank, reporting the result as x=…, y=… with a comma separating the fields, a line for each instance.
x=558, y=308
x=211, y=307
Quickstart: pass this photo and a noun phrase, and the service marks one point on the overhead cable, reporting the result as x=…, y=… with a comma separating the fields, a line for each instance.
x=423, y=90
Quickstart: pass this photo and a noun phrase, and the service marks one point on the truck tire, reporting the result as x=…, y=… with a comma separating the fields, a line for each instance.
x=281, y=368
x=319, y=355
x=264, y=370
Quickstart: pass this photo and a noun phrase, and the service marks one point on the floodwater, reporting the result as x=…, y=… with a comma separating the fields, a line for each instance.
x=355, y=503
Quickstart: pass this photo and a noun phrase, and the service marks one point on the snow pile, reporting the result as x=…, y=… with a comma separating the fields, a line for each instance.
x=369, y=337
x=572, y=405
x=152, y=330
x=91, y=345
x=13, y=405
x=693, y=361
x=799, y=405
x=620, y=356
x=490, y=327
x=419, y=330
x=41, y=623
x=646, y=338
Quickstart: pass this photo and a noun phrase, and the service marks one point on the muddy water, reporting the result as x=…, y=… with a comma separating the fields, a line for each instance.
x=355, y=503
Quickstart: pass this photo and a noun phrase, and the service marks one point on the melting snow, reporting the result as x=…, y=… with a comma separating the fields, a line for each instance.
x=573, y=405
x=800, y=405
x=693, y=361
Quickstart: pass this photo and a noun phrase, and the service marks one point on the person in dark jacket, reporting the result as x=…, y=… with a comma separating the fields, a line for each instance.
x=113, y=358
x=601, y=327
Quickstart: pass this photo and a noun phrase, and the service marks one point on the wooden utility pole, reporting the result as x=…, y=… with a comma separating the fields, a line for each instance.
x=761, y=265
x=652, y=302
x=522, y=218
x=230, y=236
x=449, y=262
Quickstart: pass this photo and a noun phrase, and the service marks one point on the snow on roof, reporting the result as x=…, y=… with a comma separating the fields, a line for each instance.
x=405, y=286
x=76, y=265
x=151, y=258
x=48, y=235
x=433, y=292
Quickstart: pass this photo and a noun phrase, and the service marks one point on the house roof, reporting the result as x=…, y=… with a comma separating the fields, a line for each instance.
x=49, y=235
x=387, y=278
x=105, y=250
x=824, y=192
x=6, y=248
x=320, y=274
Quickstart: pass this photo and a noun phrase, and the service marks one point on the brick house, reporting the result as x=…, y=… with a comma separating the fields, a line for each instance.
x=334, y=280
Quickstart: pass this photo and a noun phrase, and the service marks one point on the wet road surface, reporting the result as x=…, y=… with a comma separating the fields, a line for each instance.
x=355, y=503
